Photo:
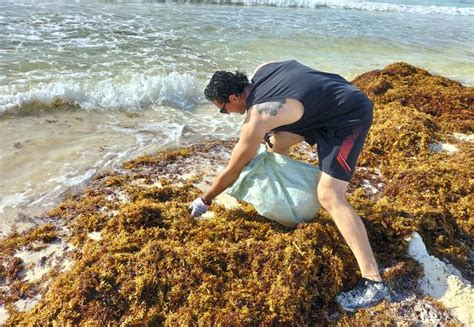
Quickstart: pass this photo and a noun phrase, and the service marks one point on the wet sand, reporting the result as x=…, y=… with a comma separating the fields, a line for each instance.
x=45, y=156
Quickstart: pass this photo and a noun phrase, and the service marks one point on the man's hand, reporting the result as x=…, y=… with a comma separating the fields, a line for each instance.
x=198, y=207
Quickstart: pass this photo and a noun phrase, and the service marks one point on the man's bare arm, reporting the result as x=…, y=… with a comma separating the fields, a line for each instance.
x=271, y=108
x=260, y=119
x=250, y=138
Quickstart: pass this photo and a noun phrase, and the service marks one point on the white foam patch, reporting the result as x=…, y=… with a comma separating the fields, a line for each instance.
x=443, y=282
x=12, y=201
x=26, y=304
x=128, y=91
x=67, y=264
x=74, y=178
x=3, y=315
x=359, y=5
x=464, y=137
x=96, y=236
x=442, y=146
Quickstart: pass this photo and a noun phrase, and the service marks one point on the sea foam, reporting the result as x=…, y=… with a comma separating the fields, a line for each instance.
x=129, y=92
x=355, y=5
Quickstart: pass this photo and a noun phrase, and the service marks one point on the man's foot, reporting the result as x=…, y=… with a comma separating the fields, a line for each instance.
x=366, y=294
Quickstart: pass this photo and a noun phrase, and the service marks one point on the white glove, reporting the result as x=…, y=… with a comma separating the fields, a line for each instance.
x=198, y=207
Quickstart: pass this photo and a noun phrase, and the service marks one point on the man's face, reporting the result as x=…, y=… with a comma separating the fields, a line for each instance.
x=223, y=109
x=234, y=104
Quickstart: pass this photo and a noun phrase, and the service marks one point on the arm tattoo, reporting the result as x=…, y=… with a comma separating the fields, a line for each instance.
x=270, y=108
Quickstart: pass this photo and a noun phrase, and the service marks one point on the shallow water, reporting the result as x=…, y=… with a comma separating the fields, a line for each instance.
x=67, y=147
x=86, y=85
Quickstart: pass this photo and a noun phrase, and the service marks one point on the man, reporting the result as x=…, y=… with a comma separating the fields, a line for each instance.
x=293, y=103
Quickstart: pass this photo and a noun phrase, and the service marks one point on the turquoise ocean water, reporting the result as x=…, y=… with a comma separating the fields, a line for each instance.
x=85, y=85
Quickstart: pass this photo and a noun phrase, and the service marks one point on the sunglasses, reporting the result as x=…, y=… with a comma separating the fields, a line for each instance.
x=222, y=110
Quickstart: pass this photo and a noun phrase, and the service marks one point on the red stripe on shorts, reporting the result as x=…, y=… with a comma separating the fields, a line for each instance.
x=344, y=151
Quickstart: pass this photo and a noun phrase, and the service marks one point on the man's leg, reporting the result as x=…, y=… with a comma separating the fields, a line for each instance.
x=331, y=195
x=282, y=141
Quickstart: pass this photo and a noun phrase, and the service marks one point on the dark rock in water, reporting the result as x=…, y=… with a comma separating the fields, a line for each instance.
x=150, y=263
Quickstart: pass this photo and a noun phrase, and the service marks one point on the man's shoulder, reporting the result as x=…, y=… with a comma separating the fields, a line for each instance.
x=275, y=113
x=291, y=62
x=262, y=65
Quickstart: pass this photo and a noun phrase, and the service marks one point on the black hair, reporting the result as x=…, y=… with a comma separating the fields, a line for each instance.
x=223, y=84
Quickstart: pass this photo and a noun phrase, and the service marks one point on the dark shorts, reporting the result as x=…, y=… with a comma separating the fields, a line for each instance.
x=340, y=147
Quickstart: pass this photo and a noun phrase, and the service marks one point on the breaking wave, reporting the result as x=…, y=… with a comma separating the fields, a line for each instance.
x=350, y=5
x=133, y=92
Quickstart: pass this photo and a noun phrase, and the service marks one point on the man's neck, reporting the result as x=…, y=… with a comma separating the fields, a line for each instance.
x=247, y=91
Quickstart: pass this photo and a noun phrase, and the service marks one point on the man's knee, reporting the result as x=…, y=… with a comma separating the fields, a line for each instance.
x=282, y=141
x=330, y=199
x=331, y=192
x=279, y=148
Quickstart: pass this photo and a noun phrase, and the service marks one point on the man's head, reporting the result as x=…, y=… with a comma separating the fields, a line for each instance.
x=228, y=91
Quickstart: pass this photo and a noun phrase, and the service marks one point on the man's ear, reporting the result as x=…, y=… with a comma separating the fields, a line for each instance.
x=233, y=97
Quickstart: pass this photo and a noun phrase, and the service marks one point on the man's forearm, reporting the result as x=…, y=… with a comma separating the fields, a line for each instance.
x=222, y=182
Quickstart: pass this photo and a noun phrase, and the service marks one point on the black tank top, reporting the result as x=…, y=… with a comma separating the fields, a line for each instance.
x=328, y=99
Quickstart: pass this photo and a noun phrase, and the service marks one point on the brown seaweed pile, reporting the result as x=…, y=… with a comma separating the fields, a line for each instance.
x=413, y=111
x=446, y=102
x=155, y=265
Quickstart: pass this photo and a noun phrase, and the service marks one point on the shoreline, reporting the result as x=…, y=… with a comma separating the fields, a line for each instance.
x=66, y=148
